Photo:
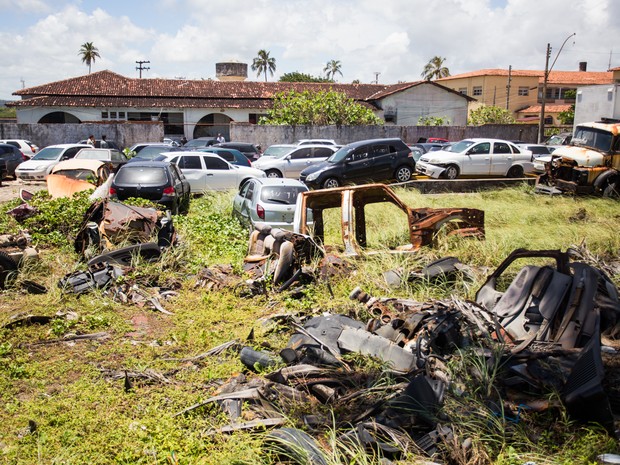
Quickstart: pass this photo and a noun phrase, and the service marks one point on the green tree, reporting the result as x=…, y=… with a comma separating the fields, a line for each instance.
x=331, y=68
x=433, y=121
x=263, y=63
x=321, y=108
x=568, y=116
x=435, y=69
x=490, y=115
x=296, y=76
x=89, y=53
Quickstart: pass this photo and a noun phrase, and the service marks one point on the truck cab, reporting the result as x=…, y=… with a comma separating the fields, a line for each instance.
x=590, y=164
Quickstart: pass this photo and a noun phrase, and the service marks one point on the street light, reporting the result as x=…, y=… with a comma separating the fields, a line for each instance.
x=541, y=123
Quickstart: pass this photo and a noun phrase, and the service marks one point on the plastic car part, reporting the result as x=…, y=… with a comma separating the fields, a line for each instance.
x=8, y=270
x=149, y=252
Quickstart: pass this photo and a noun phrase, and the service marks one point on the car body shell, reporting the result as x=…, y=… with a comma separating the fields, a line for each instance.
x=479, y=157
x=208, y=171
x=136, y=180
x=267, y=200
x=73, y=175
x=362, y=162
x=294, y=162
x=39, y=166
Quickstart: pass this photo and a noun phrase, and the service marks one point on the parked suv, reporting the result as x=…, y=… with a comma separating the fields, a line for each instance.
x=360, y=162
x=291, y=164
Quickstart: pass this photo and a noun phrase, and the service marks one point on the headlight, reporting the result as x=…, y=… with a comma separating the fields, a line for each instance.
x=313, y=176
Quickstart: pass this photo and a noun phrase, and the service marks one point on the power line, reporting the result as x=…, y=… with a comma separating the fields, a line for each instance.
x=140, y=67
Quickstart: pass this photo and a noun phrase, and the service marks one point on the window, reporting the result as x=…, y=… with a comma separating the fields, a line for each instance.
x=189, y=162
x=215, y=163
x=463, y=90
x=477, y=90
x=482, y=148
x=523, y=91
x=104, y=115
x=301, y=154
x=501, y=147
x=380, y=150
x=244, y=189
x=360, y=154
x=321, y=152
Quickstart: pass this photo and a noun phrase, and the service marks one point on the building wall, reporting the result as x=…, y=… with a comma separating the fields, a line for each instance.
x=596, y=102
x=426, y=100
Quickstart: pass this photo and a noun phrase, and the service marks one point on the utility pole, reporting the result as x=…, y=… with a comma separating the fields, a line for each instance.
x=23, y=82
x=376, y=81
x=508, y=88
x=541, y=122
x=140, y=67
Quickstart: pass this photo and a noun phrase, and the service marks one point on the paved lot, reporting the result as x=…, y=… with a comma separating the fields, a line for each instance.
x=10, y=189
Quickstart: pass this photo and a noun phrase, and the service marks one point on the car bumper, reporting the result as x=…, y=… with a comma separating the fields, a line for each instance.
x=432, y=171
x=31, y=175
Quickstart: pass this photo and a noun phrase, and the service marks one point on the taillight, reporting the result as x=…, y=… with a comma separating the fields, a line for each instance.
x=24, y=157
x=260, y=211
x=112, y=191
x=169, y=190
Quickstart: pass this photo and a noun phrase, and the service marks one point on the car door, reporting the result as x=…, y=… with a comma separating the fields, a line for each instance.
x=296, y=161
x=382, y=159
x=191, y=167
x=219, y=174
x=318, y=155
x=477, y=159
x=242, y=203
x=357, y=164
x=501, y=159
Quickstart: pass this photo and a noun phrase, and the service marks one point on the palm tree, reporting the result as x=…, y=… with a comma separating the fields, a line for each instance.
x=89, y=52
x=435, y=69
x=331, y=68
x=263, y=63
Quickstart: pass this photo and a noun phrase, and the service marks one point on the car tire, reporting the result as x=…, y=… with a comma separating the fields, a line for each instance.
x=612, y=190
x=331, y=183
x=451, y=172
x=515, y=171
x=403, y=173
x=8, y=270
x=273, y=174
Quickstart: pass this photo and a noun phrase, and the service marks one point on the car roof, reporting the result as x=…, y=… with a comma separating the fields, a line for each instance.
x=147, y=163
x=279, y=182
x=373, y=141
x=75, y=163
x=318, y=146
x=66, y=146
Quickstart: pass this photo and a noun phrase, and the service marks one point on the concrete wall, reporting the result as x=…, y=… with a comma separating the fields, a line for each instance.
x=268, y=135
x=124, y=134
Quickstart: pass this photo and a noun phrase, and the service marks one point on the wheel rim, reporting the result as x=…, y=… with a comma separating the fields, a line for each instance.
x=272, y=174
x=612, y=191
x=403, y=174
x=451, y=172
x=331, y=183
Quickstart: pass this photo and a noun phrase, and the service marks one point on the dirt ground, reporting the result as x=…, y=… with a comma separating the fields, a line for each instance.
x=10, y=188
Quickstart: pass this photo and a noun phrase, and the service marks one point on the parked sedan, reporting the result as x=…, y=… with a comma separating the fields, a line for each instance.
x=25, y=146
x=113, y=157
x=267, y=200
x=480, y=157
x=208, y=171
x=277, y=150
x=158, y=181
x=10, y=158
x=39, y=166
x=249, y=150
x=152, y=151
x=232, y=156
x=291, y=164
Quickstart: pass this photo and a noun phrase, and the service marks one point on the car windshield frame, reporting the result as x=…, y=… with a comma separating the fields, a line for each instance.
x=42, y=155
x=461, y=146
x=594, y=138
x=281, y=195
x=278, y=152
x=340, y=154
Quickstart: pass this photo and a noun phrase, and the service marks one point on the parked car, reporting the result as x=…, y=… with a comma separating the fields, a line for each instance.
x=159, y=181
x=363, y=161
x=208, y=171
x=39, y=166
x=10, y=158
x=430, y=146
x=316, y=142
x=25, y=146
x=291, y=164
x=563, y=138
x=537, y=149
x=267, y=200
x=277, y=150
x=113, y=157
x=150, y=152
x=111, y=144
x=76, y=175
x=481, y=157
x=249, y=150
x=230, y=155
x=199, y=142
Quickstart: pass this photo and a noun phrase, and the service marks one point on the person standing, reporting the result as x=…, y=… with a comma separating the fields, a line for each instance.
x=91, y=140
x=220, y=138
x=104, y=142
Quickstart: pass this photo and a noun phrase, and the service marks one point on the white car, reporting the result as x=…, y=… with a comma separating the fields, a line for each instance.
x=208, y=171
x=291, y=164
x=26, y=147
x=41, y=164
x=316, y=142
x=477, y=157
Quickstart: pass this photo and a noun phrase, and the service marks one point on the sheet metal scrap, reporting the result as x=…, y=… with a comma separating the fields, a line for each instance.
x=424, y=223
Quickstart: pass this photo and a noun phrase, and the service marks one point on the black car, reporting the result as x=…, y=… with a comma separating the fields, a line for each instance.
x=151, y=152
x=232, y=156
x=361, y=162
x=10, y=158
x=158, y=181
x=200, y=142
x=251, y=151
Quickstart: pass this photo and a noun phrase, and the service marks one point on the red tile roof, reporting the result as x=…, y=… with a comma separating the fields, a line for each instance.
x=553, y=108
x=572, y=78
x=105, y=88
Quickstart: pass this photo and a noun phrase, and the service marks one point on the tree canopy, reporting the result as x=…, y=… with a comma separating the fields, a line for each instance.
x=296, y=76
x=332, y=68
x=320, y=108
x=263, y=63
x=490, y=115
x=435, y=69
x=89, y=53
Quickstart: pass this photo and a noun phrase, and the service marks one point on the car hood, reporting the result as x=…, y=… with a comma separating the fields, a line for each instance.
x=314, y=168
x=249, y=171
x=34, y=164
x=582, y=155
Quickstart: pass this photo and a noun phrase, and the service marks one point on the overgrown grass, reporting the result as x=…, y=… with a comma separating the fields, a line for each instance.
x=83, y=415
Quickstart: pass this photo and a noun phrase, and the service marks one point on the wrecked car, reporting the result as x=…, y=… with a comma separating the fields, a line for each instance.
x=77, y=175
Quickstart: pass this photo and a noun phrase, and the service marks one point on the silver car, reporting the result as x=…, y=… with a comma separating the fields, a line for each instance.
x=291, y=164
x=39, y=166
x=267, y=200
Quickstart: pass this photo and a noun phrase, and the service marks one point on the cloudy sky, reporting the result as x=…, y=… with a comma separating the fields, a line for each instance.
x=40, y=39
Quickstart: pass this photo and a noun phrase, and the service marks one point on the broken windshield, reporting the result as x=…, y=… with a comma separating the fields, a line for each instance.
x=593, y=138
